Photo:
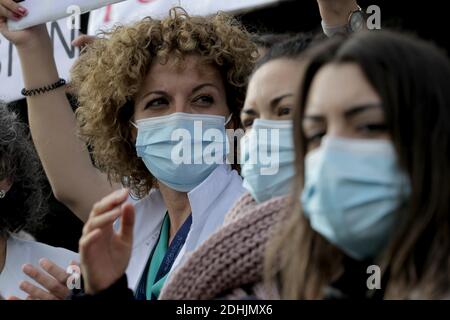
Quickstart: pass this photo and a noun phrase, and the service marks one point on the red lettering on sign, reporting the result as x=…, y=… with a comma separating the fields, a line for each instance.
x=108, y=14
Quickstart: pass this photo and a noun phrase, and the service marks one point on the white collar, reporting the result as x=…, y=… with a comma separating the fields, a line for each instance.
x=207, y=192
x=150, y=211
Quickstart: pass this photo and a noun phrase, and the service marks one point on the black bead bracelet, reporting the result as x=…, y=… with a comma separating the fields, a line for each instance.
x=38, y=91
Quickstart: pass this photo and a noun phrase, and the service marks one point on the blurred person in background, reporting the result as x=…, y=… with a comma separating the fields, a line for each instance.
x=22, y=206
x=372, y=137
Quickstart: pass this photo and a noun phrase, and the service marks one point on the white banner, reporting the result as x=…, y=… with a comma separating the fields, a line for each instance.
x=133, y=10
x=10, y=71
x=104, y=18
x=41, y=11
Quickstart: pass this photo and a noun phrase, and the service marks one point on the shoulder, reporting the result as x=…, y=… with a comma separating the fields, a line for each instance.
x=246, y=205
x=242, y=206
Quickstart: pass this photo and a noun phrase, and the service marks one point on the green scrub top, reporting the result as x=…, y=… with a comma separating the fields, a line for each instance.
x=153, y=289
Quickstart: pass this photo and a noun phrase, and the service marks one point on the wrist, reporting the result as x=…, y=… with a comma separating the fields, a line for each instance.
x=96, y=289
x=38, y=65
x=336, y=13
x=35, y=47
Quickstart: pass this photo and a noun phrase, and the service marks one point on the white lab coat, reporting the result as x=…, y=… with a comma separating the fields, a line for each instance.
x=210, y=201
x=20, y=252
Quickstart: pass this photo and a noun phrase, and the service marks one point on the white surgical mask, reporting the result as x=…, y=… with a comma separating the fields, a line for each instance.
x=181, y=150
x=353, y=191
x=274, y=139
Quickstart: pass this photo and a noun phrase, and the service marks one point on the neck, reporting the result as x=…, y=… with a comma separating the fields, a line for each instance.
x=2, y=253
x=178, y=208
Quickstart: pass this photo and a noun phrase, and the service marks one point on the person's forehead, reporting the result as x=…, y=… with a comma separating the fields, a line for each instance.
x=282, y=67
x=275, y=77
x=339, y=85
x=192, y=66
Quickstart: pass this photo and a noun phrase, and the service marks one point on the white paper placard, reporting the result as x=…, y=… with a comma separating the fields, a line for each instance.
x=103, y=18
x=134, y=10
x=40, y=11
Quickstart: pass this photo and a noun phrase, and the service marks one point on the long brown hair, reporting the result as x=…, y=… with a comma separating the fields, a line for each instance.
x=411, y=77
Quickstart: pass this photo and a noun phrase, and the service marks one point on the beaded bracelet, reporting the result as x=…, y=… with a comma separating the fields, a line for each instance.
x=38, y=91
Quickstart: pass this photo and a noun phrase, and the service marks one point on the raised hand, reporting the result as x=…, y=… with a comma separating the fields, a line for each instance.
x=54, y=279
x=29, y=38
x=104, y=252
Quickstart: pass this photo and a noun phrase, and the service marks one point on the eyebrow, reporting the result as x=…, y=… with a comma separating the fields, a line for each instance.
x=164, y=93
x=197, y=88
x=249, y=111
x=275, y=101
x=159, y=92
x=350, y=113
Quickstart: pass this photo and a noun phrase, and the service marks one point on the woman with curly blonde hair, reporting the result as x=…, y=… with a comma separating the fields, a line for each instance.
x=138, y=87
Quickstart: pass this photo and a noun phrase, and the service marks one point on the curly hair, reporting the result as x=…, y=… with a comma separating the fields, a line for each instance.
x=111, y=70
x=24, y=204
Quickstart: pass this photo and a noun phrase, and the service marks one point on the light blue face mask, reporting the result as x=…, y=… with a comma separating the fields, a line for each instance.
x=181, y=150
x=353, y=192
x=267, y=158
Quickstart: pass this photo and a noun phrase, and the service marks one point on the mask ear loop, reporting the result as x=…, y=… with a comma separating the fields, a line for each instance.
x=134, y=124
x=2, y=194
x=228, y=119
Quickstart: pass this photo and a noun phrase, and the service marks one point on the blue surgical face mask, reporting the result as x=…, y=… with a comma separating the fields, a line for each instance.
x=181, y=150
x=353, y=192
x=267, y=159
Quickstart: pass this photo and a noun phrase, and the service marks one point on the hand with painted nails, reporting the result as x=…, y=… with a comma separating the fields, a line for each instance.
x=104, y=252
x=11, y=10
x=29, y=38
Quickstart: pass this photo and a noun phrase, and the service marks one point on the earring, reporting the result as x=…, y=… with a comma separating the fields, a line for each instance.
x=2, y=194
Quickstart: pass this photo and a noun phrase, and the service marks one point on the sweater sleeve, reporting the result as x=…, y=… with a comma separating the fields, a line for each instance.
x=117, y=291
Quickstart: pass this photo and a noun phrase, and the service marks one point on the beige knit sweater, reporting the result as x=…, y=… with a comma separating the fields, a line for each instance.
x=233, y=257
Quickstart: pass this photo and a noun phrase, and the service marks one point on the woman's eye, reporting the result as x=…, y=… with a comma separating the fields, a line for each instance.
x=157, y=103
x=315, y=138
x=373, y=128
x=204, y=100
x=248, y=123
x=284, y=112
